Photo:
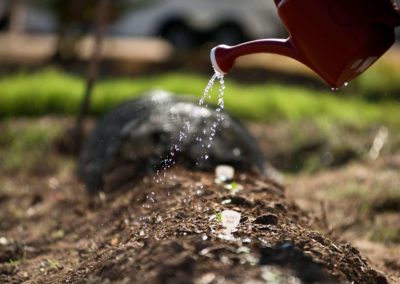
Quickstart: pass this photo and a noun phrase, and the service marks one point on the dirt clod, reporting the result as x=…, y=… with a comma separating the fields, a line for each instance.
x=269, y=219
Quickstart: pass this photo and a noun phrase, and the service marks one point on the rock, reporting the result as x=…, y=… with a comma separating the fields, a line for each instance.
x=132, y=139
x=268, y=219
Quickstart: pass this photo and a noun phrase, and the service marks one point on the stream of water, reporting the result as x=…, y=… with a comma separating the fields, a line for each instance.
x=220, y=106
x=206, y=142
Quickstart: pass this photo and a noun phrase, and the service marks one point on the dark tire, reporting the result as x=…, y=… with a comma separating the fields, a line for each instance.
x=131, y=139
x=179, y=35
x=4, y=23
x=229, y=34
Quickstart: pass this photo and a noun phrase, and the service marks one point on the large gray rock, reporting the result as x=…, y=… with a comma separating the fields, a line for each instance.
x=140, y=136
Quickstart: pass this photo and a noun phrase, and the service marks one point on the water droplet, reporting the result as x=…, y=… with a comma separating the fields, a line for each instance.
x=236, y=152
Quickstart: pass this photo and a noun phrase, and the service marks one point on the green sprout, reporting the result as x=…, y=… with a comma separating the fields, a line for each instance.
x=234, y=186
x=14, y=262
x=219, y=216
x=54, y=264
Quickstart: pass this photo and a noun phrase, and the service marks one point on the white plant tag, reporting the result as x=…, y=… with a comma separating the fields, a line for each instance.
x=230, y=220
x=224, y=173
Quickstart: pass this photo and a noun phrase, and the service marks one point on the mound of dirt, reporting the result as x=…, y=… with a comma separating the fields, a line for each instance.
x=169, y=232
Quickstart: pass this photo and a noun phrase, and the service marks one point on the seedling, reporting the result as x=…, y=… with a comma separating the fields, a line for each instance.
x=233, y=187
x=54, y=264
x=14, y=263
x=219, y=216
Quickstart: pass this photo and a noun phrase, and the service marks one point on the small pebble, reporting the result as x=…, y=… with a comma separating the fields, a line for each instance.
x=3, y=241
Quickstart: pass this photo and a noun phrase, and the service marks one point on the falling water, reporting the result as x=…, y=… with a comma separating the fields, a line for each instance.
x=169, y=160
x=220, y=106
x=210, y=85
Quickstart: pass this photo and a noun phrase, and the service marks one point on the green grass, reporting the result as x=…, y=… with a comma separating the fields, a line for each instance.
x=386, y=234
x=53, y=92
x=26, y=146
x=381, y=81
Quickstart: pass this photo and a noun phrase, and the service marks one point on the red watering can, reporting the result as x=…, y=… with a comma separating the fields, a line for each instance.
x=338, y=39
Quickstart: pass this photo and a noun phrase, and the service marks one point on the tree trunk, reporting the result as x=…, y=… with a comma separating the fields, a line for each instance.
x=17, y=17
x=101, y=17
x=72, y=143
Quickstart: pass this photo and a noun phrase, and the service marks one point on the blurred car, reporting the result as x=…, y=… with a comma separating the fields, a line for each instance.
x=185, y=23
x=4, y=15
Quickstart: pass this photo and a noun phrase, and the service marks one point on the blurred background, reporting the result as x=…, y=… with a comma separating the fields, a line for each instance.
x=63, y=28
x=65, y=63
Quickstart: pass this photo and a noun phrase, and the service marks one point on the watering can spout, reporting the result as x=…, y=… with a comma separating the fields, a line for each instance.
x=223, y=57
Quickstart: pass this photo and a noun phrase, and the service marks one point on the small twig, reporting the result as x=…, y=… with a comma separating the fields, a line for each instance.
x=101, y=16
x=324, y=216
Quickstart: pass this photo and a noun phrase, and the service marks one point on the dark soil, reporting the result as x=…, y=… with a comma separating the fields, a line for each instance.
x=168, y=233
x=52, y=231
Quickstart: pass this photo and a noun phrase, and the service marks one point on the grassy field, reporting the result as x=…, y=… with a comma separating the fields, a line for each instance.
x=382, y=80
x=51, y=91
